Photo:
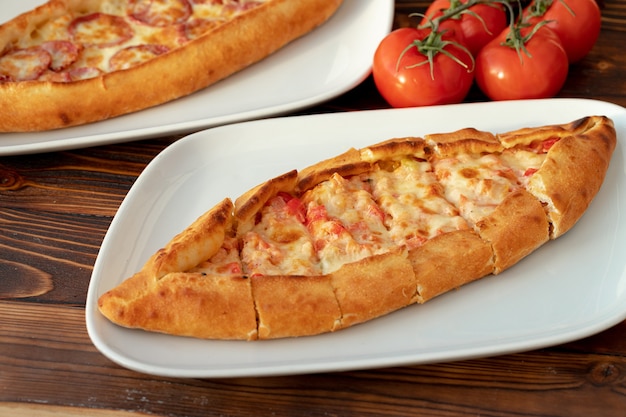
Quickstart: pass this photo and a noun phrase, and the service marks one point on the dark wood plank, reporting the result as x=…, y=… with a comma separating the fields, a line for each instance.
x=55, y=209
x=48, y=356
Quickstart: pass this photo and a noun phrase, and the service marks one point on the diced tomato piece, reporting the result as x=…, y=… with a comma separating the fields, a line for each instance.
x=285, y=196
x=337, y=228
x=529, y=172
x=315, y=213
x=376, y=211
x=319, y=244
x=296, y=208
x=360, y=226
x=543, y=146
x=234, y=268
x=548, y=143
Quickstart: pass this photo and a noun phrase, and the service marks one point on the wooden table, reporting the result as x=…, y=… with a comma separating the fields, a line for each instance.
x=56, y=207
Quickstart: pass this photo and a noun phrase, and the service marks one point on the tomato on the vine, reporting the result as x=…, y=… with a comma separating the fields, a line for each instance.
x=420, y=67
x=479, y=23
x=536, y=66
x=576, y=22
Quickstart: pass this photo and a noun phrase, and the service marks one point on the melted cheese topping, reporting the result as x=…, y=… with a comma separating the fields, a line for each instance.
x=414, y=202
x=345, y=222
x=225, y=262
x=401, y=202
x=279, y=244
x=54, y=29
x=524, y=163
x=169, y=24
x=475, y=184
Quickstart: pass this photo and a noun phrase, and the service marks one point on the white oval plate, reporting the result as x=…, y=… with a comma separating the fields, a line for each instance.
x=568, y=289
x=327, y=62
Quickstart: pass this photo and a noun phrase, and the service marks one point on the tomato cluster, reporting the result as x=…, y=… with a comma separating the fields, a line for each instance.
x=509, y=51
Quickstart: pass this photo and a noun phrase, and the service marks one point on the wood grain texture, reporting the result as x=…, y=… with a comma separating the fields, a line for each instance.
x=41, y=410
x=55, y=209
x=47, y=355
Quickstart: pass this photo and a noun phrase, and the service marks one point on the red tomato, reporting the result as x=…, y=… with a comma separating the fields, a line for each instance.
x=576, y=22
x=405, y=78
x=503, y=74
x=475, y=32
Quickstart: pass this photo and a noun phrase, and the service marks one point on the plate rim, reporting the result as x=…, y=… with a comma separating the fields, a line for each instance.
x=613, y=315
x=106, y=133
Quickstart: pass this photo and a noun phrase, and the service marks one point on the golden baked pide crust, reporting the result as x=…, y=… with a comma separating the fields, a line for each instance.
x=436, y=263
x=218, y=307
x=374, y=286
x=517, y=227
x=200, y=241
x=252, y=201
x=186, y=304
x=347, y=164
x=247, y=38
x=407, y=220
x=574, y=169
x=288, y=305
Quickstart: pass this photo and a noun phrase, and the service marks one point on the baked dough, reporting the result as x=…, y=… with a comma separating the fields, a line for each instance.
x=247, y=38
x=455, y=207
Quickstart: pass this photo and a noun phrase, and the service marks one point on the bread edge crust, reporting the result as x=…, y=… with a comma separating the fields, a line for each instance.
x=239, y=43
x=419, y=274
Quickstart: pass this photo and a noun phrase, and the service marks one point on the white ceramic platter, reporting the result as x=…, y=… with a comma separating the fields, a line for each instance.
x=327, y=62
x=568, y=289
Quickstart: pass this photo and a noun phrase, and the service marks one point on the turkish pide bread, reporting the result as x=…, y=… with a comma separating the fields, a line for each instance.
x=72, y=62
x=367, y=232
